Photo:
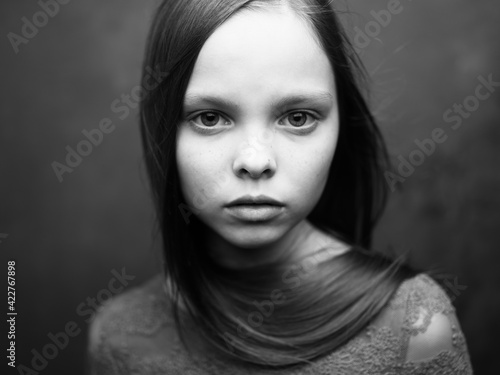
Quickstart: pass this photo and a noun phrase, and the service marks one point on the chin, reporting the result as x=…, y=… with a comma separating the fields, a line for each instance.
x=253, y=238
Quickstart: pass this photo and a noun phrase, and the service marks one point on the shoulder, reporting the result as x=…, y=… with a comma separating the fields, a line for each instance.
x=142, y=309
x=413, y=305
x=430, y=327
x=422, y=292
x=132, y=331
x=426, y=303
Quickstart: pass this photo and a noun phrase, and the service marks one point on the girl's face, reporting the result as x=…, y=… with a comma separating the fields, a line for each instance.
x=260, y=118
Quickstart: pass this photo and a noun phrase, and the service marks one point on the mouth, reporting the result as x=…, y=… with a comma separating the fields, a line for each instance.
x=254, y=212
x=255, y=208
x=260, y=200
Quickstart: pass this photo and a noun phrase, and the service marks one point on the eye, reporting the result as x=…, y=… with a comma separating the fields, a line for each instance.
x=299, y=119
x=208, y=119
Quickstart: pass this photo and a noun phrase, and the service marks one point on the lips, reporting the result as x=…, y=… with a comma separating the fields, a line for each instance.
x=254, y=212
x=260, y=200
x=255, y=208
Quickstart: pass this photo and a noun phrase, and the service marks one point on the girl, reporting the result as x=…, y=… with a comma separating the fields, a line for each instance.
x=267, y=173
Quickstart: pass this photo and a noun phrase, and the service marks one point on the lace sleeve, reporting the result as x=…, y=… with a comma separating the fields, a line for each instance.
x=100, y=360
x=130, y=332
x=111, y=333
x=433, y=342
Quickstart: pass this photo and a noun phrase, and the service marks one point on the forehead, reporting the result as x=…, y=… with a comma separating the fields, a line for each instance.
x=261, y=51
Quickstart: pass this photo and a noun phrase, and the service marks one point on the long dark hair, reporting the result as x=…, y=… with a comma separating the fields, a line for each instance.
x=317, y=313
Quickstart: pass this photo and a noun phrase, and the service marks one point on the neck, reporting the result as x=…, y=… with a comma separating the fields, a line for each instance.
x=302, y=240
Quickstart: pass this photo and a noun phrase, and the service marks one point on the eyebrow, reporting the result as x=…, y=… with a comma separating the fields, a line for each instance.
x=193, y=99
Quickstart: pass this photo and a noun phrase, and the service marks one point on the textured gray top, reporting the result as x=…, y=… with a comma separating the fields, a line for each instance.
x=417, y=333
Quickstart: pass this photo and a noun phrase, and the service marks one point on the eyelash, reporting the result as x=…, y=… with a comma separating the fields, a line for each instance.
x=301, y=130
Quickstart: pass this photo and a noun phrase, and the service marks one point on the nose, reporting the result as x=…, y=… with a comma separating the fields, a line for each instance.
x=255, y=160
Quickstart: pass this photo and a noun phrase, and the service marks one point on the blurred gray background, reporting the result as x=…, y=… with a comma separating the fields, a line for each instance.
x=70, y=237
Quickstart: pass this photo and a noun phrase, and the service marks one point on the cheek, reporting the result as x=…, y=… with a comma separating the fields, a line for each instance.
x=198, y=176
x=310, y=169
x=315, y=172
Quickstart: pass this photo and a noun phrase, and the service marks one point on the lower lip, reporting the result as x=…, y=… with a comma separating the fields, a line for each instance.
x=255, y=212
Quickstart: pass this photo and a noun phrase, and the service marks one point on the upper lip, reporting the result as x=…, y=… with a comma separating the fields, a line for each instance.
x=259, y=199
